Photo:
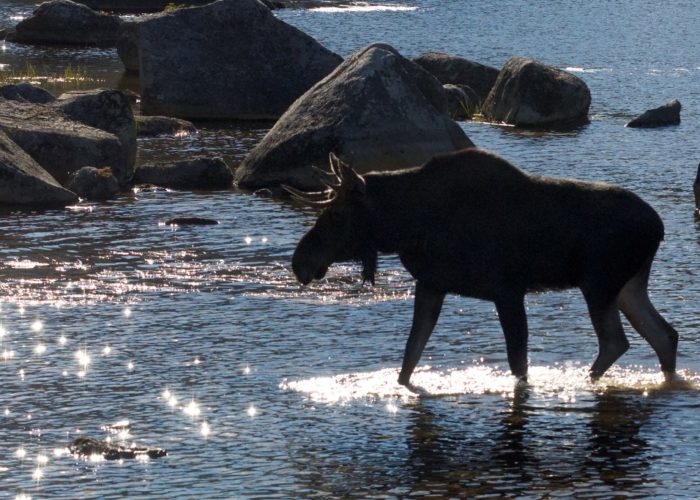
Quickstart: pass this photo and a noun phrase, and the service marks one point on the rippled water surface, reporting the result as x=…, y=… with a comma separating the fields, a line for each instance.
x=256, y=387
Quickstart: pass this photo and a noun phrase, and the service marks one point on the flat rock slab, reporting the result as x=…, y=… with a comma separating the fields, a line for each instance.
x=197, y=173
x=64, y=22
x=668, y=114
x=58, y=144
x=24, y=182
x=378, y=111
x=528, y=93
x=231, y=59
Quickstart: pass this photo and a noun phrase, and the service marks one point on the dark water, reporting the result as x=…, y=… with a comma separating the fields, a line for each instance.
x=201, y=338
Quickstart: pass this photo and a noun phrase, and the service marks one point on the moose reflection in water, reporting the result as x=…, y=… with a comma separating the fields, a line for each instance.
x=472, y=224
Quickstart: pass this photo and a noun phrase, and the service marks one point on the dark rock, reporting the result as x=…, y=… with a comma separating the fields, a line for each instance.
x=198, y=173
x=60, y=145
x=231, y=59
x=377, y=111
x=462, y=102
x=108, y=110
x=696, y=192
x=67, y=23
x=458, y=71
x=132, y=96
x=26, y=92
x=528, y=93
x=139, y=6
x=85, y=446
x=668, y=114
x=128, y=45
x=162, y=125
x=191, y=221
x=95, y=184
x=24, y=182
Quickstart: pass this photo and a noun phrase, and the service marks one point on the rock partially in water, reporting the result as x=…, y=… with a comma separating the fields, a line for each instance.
x=94, y=184
x=85, y=447
x=64, y=22
x=462, y=101
x=449, y=69
x=378, y=111
x=149, y=126
x=668, y=114
x=108, y=110
x=197, y=173
x=528, y=93
x=26, y=92
x=191, y=221
x=231, y=59
x=24, y=182
x=60, y=145
x=140, y=6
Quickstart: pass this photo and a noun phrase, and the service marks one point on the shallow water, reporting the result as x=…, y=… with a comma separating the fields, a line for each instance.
x=200, y=337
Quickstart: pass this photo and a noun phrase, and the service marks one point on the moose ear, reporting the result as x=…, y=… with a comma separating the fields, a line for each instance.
x=350, y=181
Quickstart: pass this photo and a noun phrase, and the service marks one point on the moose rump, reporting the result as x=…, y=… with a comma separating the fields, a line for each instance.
x=472, y=224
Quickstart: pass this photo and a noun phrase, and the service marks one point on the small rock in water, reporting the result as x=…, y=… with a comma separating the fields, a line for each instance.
x=192, y=221
x=86, y=446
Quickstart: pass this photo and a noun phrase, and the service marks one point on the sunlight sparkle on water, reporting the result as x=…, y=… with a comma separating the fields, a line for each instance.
x=127, y=312
x=204, y=429
x=62, y=340
x=252, y=411
x=21, y=453
x=83, y=358
x=7, y=355
x=106, y=350
x=37, y=474
x=40, y=349
x=42, y=459
x=37, y=326
x=363, y=7
x=248, y=240
x=3, y=332
x=192, y=409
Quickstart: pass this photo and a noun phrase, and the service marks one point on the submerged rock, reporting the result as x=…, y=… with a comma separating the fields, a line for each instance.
x=231, y=59
x=378, y=111
x=24, y=182
x=67, y=23
x=85, y=446
x=26, y=92
x=60, y=145
x=449, y=69
x=668, y=114
x=149, y=126
x=95, y=184
x=528, y=93
x=191, y=221
x=197, y=173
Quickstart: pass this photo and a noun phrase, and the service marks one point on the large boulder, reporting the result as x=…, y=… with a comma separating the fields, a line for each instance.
x=196, y=173
x=528, y=93
x=67, y=23
x=459, y=71
x=24, y=182
x=668, y=114
x=231, y=59
x=108, y=110
x=377, y=110
x=26, y=92
x=60, y=145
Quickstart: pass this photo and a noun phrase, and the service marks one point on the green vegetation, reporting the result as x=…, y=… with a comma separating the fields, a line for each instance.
x=173, y=6
x=69, y=79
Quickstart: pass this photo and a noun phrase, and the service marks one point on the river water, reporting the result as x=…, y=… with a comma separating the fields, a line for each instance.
x=201, y=338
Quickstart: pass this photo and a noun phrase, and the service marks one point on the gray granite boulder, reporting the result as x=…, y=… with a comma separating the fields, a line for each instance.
x=108, y=110
x=378, y=111
x=60, y=145
x=139, y=6
x=26, y=92
x=231, y=59
x=668, y=114
x=149, y=126
x=64, y=22
x=197, y=173
x=528, y=93
x=95, y=184
x=459, y=71
x=24, y=182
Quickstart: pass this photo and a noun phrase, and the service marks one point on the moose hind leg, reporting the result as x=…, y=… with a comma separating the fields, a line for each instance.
x=612, y=342
x=426, y=310
x=511, y=314
x=636, y=306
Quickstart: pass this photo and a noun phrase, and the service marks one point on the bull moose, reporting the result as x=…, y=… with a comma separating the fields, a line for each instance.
x=471, y=223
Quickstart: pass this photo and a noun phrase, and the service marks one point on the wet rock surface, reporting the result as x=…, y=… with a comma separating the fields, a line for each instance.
x=85, y=446
x=449, y=69
x=149, y=126
x=26, y=92
x=24, y=182
x=378, y=111
x=197, y=173
x=528, y=93
x=668, y=114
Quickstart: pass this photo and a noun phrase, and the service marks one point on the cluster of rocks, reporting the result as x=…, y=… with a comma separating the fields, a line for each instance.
x=233, y=59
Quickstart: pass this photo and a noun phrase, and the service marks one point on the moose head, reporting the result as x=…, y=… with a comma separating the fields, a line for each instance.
x=343, y=231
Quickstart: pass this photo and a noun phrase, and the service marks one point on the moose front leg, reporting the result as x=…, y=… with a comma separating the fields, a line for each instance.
x=511, y=313
x=426, y=310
